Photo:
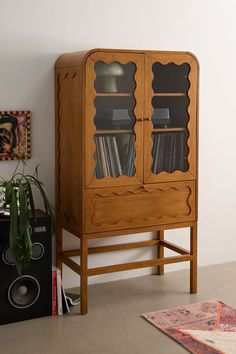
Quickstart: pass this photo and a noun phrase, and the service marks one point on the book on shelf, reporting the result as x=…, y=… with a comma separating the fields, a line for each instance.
x=116, y=156
x=129, y=167
x=59, y=293
x=65, y=305
x=54, y=291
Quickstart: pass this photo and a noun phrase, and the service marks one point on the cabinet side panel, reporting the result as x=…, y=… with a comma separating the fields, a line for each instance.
x=69, y=144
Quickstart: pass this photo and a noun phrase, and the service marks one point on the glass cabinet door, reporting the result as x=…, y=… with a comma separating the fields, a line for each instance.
x=171, y=124
x=114, y=111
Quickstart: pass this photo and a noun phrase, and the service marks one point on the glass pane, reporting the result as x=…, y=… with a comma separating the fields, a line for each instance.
x=114, y=77
x=170, y=111
x=169, y=152
x=170, y=77
x=114, y=155
x=114, y=112
x=170, y=117
x=114, y=119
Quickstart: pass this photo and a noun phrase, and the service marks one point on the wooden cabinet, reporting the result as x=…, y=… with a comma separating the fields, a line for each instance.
x=126, y=154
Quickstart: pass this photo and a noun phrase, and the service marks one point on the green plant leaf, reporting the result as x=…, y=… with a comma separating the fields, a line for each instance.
x=48, y=206
x=30, y=197
x=25, y=239
x=19, y=195
x=8, y=192
x=15, y=245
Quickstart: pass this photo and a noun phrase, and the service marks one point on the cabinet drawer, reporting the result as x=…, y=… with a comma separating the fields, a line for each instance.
x=132, y=207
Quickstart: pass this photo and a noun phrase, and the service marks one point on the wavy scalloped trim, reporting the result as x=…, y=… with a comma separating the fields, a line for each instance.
x=148, y=219
x=137, y=191
x=58, y=140
x=187, y=125
x=138, y=220
x=123, y=62
x=60, y=78
x=93, y=114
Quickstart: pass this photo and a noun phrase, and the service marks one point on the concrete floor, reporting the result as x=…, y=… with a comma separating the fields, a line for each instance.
x=114, y=324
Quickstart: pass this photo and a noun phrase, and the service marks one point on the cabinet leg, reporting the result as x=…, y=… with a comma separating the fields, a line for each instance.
x=84, y=275
x=59, y=245
x=160, y=252
x=193, y=263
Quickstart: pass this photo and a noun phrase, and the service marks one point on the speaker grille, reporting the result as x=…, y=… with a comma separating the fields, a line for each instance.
x=37, y=250
x=37, y=253
x=23, y=292
x=28, y=296
x=7, y=256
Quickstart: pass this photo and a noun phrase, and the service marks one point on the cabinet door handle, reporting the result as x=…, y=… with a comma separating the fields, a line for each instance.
x=142, y=119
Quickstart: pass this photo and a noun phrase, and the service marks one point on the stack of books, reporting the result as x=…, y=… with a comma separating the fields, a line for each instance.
x=61, y=299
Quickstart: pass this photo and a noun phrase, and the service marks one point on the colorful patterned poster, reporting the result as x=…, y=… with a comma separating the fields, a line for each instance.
x=14, y=135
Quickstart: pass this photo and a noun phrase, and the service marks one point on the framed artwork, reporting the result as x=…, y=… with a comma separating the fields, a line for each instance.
x=14, y=135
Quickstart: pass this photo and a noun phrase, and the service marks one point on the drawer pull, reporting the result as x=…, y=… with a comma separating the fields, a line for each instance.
x=142, y=119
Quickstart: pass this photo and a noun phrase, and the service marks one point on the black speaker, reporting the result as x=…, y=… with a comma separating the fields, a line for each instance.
x=30, y=295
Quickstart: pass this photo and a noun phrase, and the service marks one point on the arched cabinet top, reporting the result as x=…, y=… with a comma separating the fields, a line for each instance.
x=79, y=58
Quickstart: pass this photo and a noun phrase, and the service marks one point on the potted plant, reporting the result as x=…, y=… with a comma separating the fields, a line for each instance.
x=18, y=203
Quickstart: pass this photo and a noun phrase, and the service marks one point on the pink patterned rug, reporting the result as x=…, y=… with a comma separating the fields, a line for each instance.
x=207, y=327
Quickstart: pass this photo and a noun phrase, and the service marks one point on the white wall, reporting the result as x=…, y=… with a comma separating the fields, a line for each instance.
x=33, y=34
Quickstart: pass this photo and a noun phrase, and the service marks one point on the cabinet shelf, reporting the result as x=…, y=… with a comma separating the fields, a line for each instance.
x=157, y=130
x=128, y=94
x=114, y=131
x=169, y=94
x=115, y=94
x=129, y=131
